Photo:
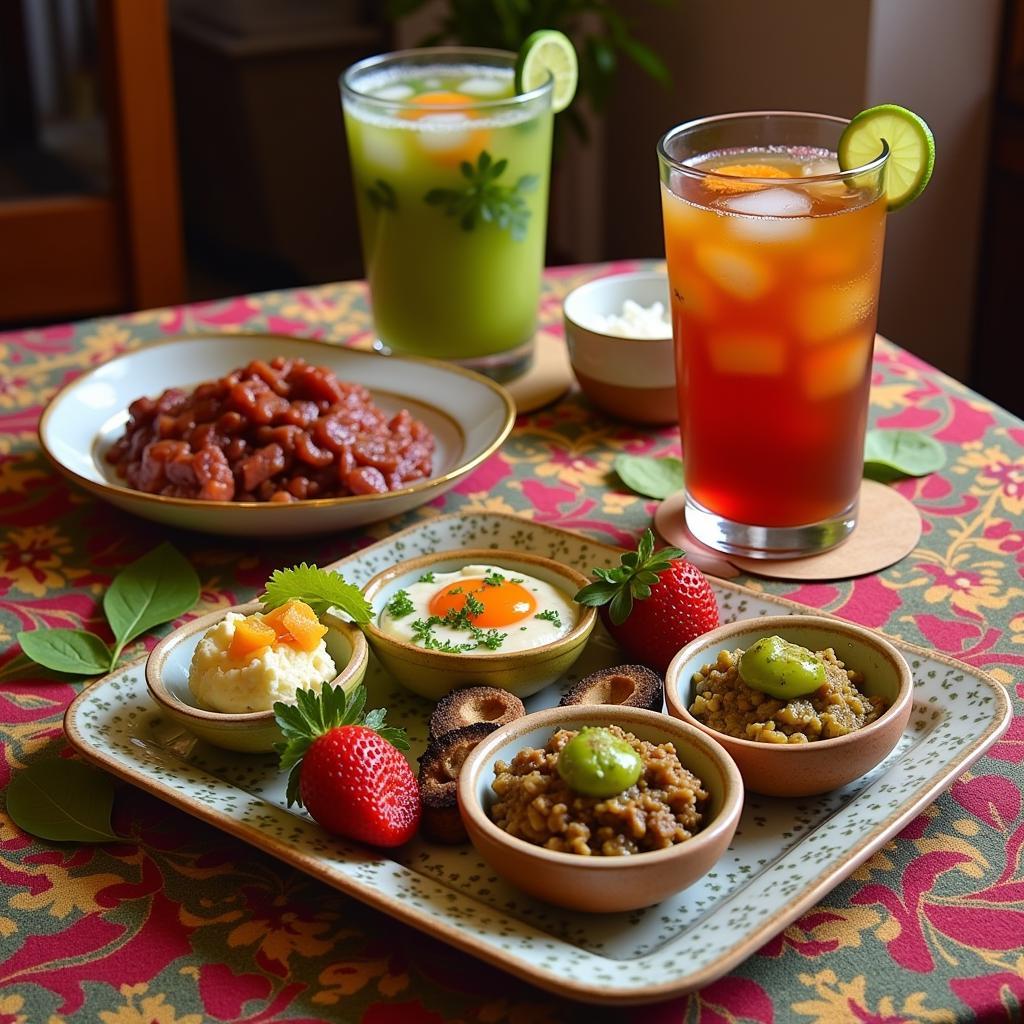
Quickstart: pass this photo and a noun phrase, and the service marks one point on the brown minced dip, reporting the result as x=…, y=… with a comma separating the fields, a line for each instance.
x=726, y=704
x=663, y=807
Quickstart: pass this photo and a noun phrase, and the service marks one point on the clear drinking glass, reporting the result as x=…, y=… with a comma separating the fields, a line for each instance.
x=774, y=259
x=451, y=172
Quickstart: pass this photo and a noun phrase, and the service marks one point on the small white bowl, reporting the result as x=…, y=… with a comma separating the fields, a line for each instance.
x=632, y=378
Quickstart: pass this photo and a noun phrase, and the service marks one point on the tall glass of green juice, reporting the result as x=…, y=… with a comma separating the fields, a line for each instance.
x=451, y=172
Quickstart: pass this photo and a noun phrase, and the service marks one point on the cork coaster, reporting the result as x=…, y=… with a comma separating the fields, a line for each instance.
x=888, y=529
x=548, y=378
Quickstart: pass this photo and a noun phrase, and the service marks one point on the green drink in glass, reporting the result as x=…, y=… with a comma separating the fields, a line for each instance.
x=451, y=172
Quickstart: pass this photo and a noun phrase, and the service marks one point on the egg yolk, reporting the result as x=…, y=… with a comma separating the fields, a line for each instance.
x=504, y=603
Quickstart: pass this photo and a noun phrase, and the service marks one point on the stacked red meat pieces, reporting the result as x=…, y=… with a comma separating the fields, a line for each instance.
x=277, y=431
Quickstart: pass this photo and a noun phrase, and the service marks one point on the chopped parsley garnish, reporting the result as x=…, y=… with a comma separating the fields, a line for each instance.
x=551, y=616
x=491, y=639
x=495, y=579
x=423, y=634
x=423, y=630
x=454, y=590
x=400, y=605
x=427, y=577
x=473, y=607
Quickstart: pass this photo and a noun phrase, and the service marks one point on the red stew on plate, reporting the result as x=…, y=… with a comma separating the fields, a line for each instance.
x=278, y=431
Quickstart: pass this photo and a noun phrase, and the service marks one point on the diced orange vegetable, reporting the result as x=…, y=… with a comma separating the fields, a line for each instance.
x=296, y=624
x=251, y=634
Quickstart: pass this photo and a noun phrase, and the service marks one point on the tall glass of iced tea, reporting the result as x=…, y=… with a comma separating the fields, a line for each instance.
x=774, y=258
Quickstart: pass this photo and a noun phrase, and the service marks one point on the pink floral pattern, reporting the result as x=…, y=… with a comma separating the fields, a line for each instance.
x=180, y=924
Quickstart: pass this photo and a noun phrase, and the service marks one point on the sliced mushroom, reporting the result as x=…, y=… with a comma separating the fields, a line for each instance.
x=439, y=774
x=475, y=704
x=634, y=686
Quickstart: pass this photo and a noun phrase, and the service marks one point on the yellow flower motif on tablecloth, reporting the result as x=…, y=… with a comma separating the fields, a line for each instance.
x=840, y=925
x=32, y=558
x=9, y=1007
x=484, y=501
x=974, y=867
x=331, y=306
x=877, y=863
x=575, y=469
x=153, y=1009
x=972, y=590
x=16, y=391
x=998, y=471
x=842, y=1002
x=16, y=473
x=8, y=927
x=278, y=933
x=66, y=893
x=109, y=338
x=346, y=977
x=162, y=316
x=615, y=504
x=895, y=395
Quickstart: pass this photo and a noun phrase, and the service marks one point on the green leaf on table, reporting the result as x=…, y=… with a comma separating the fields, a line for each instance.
x=158, y=587
x=890, y=454
x=66, y=650
x=652, y=476
x=319, y=588
x=63, y=800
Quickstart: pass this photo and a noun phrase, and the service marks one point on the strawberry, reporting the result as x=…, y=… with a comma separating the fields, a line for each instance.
x=346, y=768
x=654, y=603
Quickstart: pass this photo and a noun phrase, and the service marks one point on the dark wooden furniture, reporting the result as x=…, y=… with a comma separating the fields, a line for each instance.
x=75, y=254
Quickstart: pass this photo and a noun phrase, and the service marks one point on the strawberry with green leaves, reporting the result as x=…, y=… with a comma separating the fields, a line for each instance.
x=654, y=603
x=346, y=768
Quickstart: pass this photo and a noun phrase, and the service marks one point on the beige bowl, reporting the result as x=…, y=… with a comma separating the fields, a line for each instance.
x=601, y=884
x=804, y=769
x=432, y=674
x=167, y=678
x=631, y=378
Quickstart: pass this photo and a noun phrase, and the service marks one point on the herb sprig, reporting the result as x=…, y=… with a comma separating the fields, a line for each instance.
x=484, y=200
x=320, y=588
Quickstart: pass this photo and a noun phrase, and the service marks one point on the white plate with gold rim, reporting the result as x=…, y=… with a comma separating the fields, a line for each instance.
x=786, y=854
x=468, y=415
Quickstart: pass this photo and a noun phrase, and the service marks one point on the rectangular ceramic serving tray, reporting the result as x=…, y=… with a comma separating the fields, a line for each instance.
x=786, y=854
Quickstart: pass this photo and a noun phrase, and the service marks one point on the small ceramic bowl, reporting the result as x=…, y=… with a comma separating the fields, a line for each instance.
x=167, y=678
x=432, y=674
x=631, y=378
x=601, y=884
x=804, y=769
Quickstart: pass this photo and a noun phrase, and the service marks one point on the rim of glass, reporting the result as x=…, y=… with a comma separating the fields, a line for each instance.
x=396, y=56
x=699, y=172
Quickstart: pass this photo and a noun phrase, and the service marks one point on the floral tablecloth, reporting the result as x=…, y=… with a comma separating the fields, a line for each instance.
x=180, y=924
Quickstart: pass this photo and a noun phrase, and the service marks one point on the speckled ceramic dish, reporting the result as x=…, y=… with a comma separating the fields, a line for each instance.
x=432, y=674
x=785, y=855
x=602, y=884
x=167, y=678
x=804, y=769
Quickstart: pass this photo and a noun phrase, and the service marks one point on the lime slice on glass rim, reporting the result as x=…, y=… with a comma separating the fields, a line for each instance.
x=911, y=149
x=548, y=52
